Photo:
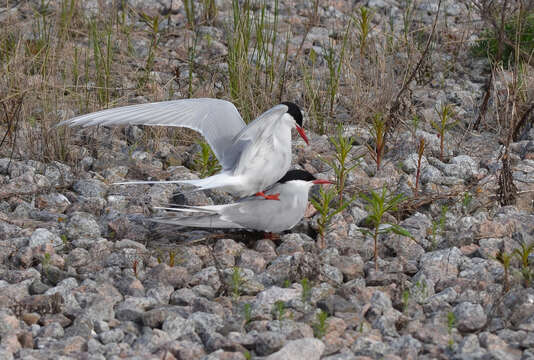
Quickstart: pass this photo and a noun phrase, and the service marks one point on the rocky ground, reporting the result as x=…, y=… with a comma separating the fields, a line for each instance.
x=84, y=274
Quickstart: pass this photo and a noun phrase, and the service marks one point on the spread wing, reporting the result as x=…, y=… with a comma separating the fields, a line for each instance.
x=217, y=120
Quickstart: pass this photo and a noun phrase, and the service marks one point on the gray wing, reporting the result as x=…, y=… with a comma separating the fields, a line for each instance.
x=217, y=120
x=255, y=128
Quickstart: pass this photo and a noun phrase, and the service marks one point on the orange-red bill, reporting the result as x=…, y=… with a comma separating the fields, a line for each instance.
x=322, y=182
x=303, y=135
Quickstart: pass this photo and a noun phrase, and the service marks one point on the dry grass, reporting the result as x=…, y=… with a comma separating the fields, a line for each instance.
x=58, y=62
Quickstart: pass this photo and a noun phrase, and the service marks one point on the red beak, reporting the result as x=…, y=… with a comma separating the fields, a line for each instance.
x=322, y=182
x=302, y=134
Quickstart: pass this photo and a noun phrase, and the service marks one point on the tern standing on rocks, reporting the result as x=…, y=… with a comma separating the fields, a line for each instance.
x=253, y=156
x=255, y=213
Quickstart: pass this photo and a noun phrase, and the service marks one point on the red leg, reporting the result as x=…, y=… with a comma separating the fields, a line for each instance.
x=268, y=197
x=271, y=236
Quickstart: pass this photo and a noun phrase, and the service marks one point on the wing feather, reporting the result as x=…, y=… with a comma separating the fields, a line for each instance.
x=217, y=120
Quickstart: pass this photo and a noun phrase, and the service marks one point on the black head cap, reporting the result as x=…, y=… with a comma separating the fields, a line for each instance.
x=294, y=110
x=297, y=175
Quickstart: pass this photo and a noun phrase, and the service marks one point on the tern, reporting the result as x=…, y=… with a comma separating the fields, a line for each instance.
x=252, y=157
x=254, y=213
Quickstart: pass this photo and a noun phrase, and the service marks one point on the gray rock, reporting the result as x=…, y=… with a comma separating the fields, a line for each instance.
x=264, y=302
x=163, y=274
x=293, y=243
x=59, y=174
x=9, y=324
x=409, y=165
x=184, y=296
x=331, y=274
x=154, y=318
x=111, y=336
x=251, y=259
x=267, y=342
x=37, y=287
x=90, y=188
x=5, y=354
x=206, y=306
x=469, y=317
x=441, y=265
x=180, y=328
x=335, y=303
x=463, y=167
x=132, y=309
x=82, y=225
x=42, y=236
x=161, y=294
x=431, y=175
x=291, y=329
x=440, y=301
x=350, y=266
x=469, y=344
x=100, y=326
x=370, y=346
x=302, y=349
x=53, y=202
x=518, y=307
x=207, y=276
x=406, y=247
x=407, y=347
x=8, y=230
x=205, y=322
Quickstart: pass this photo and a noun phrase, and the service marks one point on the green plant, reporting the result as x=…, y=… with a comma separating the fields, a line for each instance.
x=306, y=290
x=334, y=61
x=237, y=282
x=420, y=151
x=205, y=162
x=340, y=163
x=407, y=18
x=445, y=123
x=286, y=284
x=253, y=59
x=377, y=205
x=172, y=256
x=326, y=212
x=313, y=94
x=279, y=310
x=103, y=58
x=505, y=259
x=191, y=59
x=439, y=224
x=443, y=218
x=451, y=324
x=189, y=6
x=46, y=263
x=247, y=312
x=523, y=254
x=405, y=299
x=466, y=201
x=209, y=11
x=247, y=355
x=378, y=132
x=518, y=42
x=153, y=23
x=364, y=28
x=415, y=125
x=320, y=326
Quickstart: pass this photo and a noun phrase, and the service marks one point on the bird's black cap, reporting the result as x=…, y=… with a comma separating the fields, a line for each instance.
x=297, y=175
x=294, y=110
